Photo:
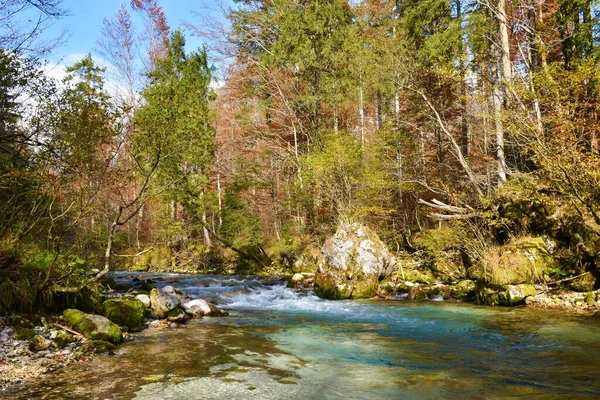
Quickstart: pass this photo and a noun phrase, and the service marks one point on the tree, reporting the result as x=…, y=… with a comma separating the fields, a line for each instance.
x=175, y=128
x=22, y=23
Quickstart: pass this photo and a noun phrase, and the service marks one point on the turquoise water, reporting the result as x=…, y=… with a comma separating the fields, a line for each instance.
x=282, y=344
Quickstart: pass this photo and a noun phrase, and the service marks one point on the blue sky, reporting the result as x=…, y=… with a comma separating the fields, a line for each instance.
x=85, y=20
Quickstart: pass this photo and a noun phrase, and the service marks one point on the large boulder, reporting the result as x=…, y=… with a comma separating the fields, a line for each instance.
x=353, y=261
x=523, y=260
x=162, y=302
x=95, y=327
x=125, y=311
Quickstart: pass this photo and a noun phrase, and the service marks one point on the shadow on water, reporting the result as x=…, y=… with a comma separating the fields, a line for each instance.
x=279, y=344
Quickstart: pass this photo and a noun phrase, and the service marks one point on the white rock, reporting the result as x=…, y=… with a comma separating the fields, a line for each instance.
x=196, y=308
x=297, y=277
x=168, y=289
x=144, y=298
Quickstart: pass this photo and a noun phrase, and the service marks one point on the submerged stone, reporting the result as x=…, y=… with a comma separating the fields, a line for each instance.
x=97, y=346
x=92, y=326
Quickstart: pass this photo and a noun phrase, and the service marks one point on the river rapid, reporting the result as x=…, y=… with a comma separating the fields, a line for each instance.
x=279, y=343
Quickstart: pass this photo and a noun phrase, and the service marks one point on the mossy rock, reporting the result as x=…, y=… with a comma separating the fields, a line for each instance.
x=125, y=311
x=39, y=343
x=177, y=315
x=585, y=283
x=62, y=339
x=525, y=260
x=463, y=290
x=326, y=287
x=590, y=298
x=364, y=289
x=507, y=295
x=95, y=327
x=97, y=346
x=24, y=333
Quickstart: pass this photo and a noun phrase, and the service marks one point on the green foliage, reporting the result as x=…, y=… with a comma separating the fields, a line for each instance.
x=333, y=171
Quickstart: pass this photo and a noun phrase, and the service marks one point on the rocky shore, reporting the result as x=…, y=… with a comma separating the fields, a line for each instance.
x=34, y=345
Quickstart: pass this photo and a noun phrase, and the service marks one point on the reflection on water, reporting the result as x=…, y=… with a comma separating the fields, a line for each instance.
x=280, y=344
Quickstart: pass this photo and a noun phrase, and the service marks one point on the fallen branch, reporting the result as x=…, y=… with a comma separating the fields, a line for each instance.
x=448, y=217
x=134, y=255
x=568, y=279
x=71, y=331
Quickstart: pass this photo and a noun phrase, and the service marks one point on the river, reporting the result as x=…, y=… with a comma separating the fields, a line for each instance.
x=278, y=343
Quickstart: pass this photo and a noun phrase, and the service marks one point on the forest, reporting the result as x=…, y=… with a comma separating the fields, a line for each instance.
x=454, y=129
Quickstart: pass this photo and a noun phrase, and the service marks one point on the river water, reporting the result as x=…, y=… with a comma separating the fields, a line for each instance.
x=281, y=344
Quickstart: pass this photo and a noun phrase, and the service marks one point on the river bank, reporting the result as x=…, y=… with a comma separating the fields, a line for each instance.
x=22, y=364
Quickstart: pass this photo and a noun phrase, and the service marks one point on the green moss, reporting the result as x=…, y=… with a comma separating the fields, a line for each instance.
x=62, y=339
x=125, y=312
x=176, y=315
x=590, y=298
x=39, y=343
x=93, y=326
x=326, y=287
x=18, y=321
x=463, y=290
x=365, y=289
x=585, y=283
x=24, y=333
x=524, y=260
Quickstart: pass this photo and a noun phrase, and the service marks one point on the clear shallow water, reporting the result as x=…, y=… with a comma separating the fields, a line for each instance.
x=281, y=344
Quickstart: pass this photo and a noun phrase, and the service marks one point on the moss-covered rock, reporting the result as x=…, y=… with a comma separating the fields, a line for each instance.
x=177, y=315
x=523, y=260
x=585, y=283
x=352, y=263
x=463, y=290
x=23, y=333
x=62, y=339
x=125, y=311
x=95, y=327
x=507, y=295
x=39, y=343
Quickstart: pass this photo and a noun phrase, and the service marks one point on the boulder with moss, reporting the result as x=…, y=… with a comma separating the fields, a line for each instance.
x=503, y=295
x=95, y=327
x=463, y=290
x=125, y=311
x=62, y=339
x=523, y=260
x=353, y=261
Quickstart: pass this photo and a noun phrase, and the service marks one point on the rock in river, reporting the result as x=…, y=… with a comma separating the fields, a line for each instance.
x=125, y=311
x=353, y=261
x=163, y=302
x=95, y=327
